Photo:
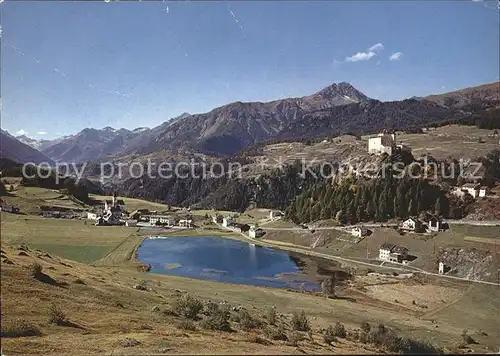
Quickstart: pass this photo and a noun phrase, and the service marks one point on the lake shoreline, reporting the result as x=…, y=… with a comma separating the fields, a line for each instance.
x=274, y=268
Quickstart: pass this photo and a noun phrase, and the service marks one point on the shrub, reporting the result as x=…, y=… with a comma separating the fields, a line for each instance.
x=35, y=270
x=257, y=339
x=271, y=316
x=300, y=322
x=188, y=306
x=186, y=324
x=363, y=337
x=20, y=328
x=56, y=315
x=365, y=327
x=129, y=342
x=219, y=320
x=294, y=338
x=212, y=308
x=274, y=333
x=339, y=330
x=467, y=338
x=329, y=335
x=247, y=322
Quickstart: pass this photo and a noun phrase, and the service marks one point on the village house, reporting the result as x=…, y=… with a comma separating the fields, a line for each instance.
x=255, y=232
x=411, y=224
x=383, y=143
x=359, y=231
x=227, y=220
x=483, y=191
x=275, y=214
x=92, y=215
x=434, y=224
x=161, y=219
x=131, y=223
x=140, y=215
x=384, y=251
x=472, y=189
x=9, y=208
x=393, y=253
x=187, y=223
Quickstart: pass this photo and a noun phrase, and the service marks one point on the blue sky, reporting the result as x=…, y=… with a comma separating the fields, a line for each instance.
x=67, y=66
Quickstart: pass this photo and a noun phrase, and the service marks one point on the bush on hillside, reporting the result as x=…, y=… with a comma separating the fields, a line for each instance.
x=248, y=322
x=35, y=270
x=300, y=322
x=329, y=335
x=275, y=333
x=218, y=320
x=294, y=338
x=19, y=328
x=188, y=306
x=56, y=315
x=271, y=316
x=187, y=324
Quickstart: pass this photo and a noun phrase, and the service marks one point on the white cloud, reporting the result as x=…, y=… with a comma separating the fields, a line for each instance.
x=360, y=56
x=365, y=56
x=21, y=132
x=376, y=47
x=396, y=56
x=41, y=133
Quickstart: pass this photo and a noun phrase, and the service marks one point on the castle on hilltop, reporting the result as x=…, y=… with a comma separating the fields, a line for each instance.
x=385, y=142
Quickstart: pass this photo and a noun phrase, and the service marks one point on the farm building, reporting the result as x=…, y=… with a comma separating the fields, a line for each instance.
x=131, y=223
x=412, y=224
x=255, y=233
x=275, y=214
x=434, y=224
x=227, y=220
x=472, y=189
x=161, y=219
x=9, y=208
x=188, y=223
x=359, y=231
x=92, y=216
x=392, y=253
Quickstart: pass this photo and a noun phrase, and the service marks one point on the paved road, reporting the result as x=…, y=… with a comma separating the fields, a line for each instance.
x=349, y=260
x=475, y=223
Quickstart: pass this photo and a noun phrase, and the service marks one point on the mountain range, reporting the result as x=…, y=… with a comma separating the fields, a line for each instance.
x=17, y=151
x=335, y=110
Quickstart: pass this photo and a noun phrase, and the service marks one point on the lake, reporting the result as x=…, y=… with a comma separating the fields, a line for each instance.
x=224, y=260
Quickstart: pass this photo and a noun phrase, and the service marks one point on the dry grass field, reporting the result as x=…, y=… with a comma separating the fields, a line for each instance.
x=103, y=313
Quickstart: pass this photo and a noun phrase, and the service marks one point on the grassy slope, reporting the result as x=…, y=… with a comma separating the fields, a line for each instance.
x=115, y=247
x=71, y=239
x=106, y=309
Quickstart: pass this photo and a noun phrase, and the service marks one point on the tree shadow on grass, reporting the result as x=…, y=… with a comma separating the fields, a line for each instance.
x=70, y=324
x=42, y=277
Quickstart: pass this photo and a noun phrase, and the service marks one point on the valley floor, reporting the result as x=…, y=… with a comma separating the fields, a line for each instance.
x=93, y=272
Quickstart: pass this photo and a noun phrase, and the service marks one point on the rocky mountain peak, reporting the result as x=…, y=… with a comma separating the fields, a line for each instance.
x=341, y=90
